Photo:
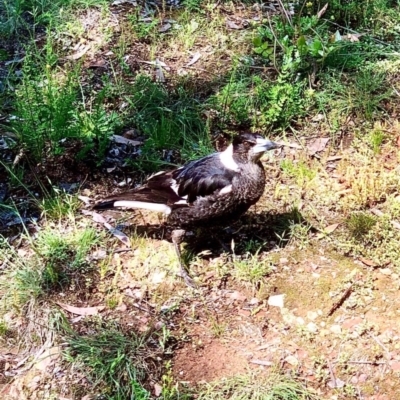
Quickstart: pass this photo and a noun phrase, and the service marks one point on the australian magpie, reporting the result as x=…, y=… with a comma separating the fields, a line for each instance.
x=213, y=190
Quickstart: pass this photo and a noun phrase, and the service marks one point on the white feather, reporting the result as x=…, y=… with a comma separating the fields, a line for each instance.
x=226, y=158
x=174, y=186
x=226, y=190
x=163, y=208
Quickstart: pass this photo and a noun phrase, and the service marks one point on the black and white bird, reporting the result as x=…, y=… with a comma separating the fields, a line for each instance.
x=211, y=191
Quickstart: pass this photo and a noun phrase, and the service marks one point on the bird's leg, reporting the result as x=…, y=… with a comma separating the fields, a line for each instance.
x=177, y=238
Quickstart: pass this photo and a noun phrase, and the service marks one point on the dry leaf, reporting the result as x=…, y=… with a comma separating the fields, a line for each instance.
x=116, y=3
x=352, y=37
x=85, y=199
x=157, y=390
x=335, y=384
x=334, y=158
x=79, y=54
x=123, y=140
x=117, y=233
x=291, y=145
x=194, y=59
x=165, y=28
x=84, y=311
x=236, y=295
x=160, y=75
x=232, y=25
x=317, y=145
x=48, y=357
x=322, y=11
x=262, y=362
x=292, y=360
x=276, y=301
x=368, y=262
x=331, y=228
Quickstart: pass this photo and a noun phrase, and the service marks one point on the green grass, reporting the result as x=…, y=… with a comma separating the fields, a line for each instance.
x=58, y=260
x=272, y=386
x=275, y=74
x=115, y=361
x=170, y=120
x=251, y=268
x=26, y=16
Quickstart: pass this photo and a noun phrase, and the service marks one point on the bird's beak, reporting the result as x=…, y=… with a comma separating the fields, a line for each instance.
x=265, y=145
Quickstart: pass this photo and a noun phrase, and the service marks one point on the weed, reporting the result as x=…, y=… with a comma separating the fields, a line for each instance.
x=114, y=361
x=170, y=390
x=144, y=28
x=256, y=387
x=251, y=268
x=58, y=204
x=300, y=171
x=49, y=108
x=170, y=121
x=361, y=96
x=21, y=281
x=376, y=139
x=58, y=258
x=4, y=330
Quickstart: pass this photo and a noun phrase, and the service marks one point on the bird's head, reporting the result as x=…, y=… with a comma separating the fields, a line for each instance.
x=251, y=147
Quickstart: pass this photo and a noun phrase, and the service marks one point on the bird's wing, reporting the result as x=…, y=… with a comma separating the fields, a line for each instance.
x=177, y=188
x=202, y=178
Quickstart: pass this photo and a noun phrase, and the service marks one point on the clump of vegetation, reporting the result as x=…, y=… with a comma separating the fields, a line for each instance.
x=58, y=259
x=115, y=361
x=360, y=223
x=170, y=120
x=274, y=386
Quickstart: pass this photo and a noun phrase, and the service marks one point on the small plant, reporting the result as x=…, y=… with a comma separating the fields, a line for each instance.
x=300, y=171
x=251, y=268
x=144, y=29
x=114, y=361
x=376, y=139
x=58, y=204
x=171, y=121
x=360, y=223
x=274, y=386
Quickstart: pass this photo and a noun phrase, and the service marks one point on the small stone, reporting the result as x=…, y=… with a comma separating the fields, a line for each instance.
x=395, y=365
x=292, y=360
x=354, y=380
x=312, y=315
x=300, y=321
x=351, y=323
x=362, y=378
x=312, y=327
x=386, y=271
x=336, y=329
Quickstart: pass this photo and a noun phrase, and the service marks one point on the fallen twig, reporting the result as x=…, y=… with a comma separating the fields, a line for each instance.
x=344, y=296
x=361, y=362
x=262, y=362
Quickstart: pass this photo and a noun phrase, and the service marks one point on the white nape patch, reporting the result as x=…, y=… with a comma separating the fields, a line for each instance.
x=226, y=190
x=163, y=208
x=227, y=160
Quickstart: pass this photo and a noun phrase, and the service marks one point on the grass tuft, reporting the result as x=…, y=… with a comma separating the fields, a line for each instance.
x=274, y=386
x=360, y=223
x=114, y=360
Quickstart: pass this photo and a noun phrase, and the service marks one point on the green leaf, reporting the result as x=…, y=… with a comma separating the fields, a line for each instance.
x=257, y=41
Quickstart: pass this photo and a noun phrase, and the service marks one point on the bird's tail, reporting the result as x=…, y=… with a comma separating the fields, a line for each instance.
x=143, y=198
